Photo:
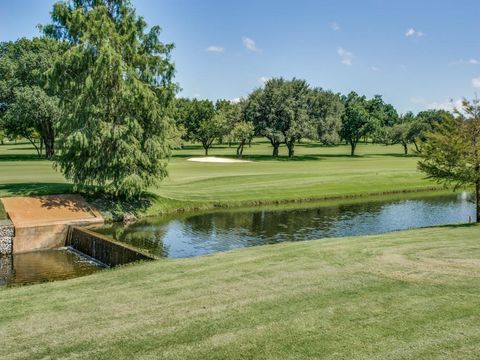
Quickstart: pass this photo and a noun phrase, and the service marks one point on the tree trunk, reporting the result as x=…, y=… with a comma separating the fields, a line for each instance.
x=416, y=145
x=275, y=149
x=240, y=149
x=353, y=145
x=206, y=150
x=291, y=151
x=32, y=141
x=49, y=151
x=49, y=147
x=405, y=148
x=477, y=200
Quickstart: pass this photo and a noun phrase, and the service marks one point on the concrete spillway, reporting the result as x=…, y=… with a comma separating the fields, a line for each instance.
x=41, y=222
x=103, y=248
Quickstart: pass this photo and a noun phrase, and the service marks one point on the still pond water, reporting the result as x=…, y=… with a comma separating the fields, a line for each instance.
x=42, y=266
x=206, y=233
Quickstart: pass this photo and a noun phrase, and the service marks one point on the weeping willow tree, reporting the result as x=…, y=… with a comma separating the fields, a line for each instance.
x=451, y=152
x=116, y=84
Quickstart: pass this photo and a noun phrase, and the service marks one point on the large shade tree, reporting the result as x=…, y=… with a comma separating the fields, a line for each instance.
x=242, y=132
x=401, y=131
x=228, y=114
x=357, y=121
x=116, y=85
x=451, y=154
x=200, y=120
x=425, y=122
x=28, y=108
x=325, y=109
x=257, y=110
x=289, y=110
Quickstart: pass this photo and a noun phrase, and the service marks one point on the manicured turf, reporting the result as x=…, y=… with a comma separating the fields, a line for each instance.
x=317, y=172
x=406, y=295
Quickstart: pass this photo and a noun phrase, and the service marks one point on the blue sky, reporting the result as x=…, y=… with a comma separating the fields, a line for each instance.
x=417, y=54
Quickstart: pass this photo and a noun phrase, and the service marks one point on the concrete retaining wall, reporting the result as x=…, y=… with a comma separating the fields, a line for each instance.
x=7, y=232
x=102, y=248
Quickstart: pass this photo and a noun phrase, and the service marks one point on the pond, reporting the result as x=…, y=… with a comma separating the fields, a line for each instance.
x=42, y=266
x=205, y=233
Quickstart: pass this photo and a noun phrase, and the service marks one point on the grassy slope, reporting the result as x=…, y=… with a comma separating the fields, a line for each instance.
x=407, y=295
x=316, y=173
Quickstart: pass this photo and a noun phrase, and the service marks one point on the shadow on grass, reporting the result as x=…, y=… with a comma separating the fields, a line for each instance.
x=399, y=155
x=20, y=157
x=453, y=226
x=23, y=189
x=114, y=209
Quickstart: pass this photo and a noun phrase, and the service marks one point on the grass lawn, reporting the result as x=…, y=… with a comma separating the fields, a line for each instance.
x=317, y=172
x=406, y=295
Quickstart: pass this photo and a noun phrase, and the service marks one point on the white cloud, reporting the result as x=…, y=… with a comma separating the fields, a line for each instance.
x=345, y=56
x=334, y=25
x=471, y=61
x=413, y=33
x=217, y=49
x=374, y=68
x=476, y=82
x=449, y=105
x=236, y=100
x=249, y=44
x=196, y=95
x=263, y=79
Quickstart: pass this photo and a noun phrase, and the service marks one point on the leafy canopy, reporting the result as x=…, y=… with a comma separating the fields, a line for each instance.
x=451, y=154
x=116, y=86
x=357, y=121
x=28, y=108
x=285, y=111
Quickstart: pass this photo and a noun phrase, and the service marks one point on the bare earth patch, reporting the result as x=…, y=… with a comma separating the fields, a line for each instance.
x=214, y=159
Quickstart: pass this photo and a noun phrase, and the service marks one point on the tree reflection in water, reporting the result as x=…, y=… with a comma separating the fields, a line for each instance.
x=199, y=234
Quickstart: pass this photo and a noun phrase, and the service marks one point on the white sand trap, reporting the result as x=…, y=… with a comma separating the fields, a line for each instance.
x=214, y=159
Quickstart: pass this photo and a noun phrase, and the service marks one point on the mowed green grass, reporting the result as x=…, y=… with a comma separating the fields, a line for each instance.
x=317, y=172
x=405, y=295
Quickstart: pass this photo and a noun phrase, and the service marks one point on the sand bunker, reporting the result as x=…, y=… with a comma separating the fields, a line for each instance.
x=214, y=159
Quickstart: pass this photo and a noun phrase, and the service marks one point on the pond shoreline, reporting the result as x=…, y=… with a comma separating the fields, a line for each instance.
x=186, y=207
x=216, y=230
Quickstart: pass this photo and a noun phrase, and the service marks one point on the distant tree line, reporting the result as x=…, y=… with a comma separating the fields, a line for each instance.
x=288, y=111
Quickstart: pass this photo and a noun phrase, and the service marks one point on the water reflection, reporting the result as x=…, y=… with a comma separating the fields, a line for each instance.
x=43, y=266
x=192, y=235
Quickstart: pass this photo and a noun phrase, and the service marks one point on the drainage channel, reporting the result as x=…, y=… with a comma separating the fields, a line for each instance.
x=84, y=252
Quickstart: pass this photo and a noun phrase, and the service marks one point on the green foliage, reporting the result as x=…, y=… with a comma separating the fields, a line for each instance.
x=200, y=121
x=29, y=110
x=228, y=114
x=116, y=86
x=3, y=135
x=242, y=132
x=451, y=154
x=285, y=111
x=357, y=121
x=425, y=122
x=326, y=109
x=400, y=132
